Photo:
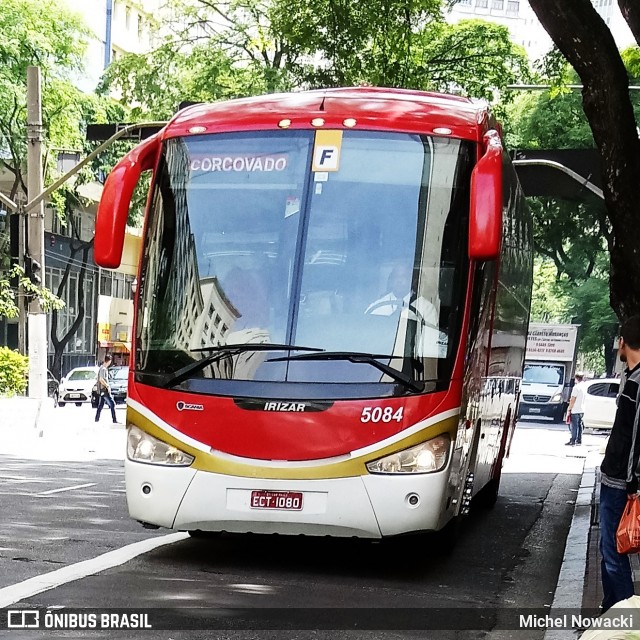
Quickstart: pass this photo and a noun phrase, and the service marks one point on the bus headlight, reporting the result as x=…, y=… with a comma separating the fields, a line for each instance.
x=556, y=398
x=427, y=457
x=142, y=447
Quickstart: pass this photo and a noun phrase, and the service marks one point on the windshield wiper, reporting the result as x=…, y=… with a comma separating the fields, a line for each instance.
x=221, y=351
x=359, y=358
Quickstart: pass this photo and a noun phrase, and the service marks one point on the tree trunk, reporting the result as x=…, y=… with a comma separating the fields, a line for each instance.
x=59, y=344
x=586, y=42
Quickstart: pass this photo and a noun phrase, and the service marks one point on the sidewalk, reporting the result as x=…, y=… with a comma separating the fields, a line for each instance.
x=581, y=563
x=64, y=434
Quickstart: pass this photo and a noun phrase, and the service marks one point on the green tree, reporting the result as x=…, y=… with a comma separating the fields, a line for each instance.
x=44, y=34
x=549, y=301
x=41, y=33
x=585, y=40
x=248, y=47
x=572, y=235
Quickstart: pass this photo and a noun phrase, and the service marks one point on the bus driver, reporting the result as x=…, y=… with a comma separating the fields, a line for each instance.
x=401, y=297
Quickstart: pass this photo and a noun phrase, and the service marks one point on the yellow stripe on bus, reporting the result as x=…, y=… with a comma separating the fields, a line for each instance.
x=339, y=467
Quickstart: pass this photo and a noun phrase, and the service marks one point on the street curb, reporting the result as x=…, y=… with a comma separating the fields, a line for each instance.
x=569, y=591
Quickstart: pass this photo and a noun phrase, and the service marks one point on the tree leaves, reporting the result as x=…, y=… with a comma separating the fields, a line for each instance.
x=247, y=47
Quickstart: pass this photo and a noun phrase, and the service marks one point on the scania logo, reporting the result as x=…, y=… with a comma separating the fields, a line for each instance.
x=188, y=406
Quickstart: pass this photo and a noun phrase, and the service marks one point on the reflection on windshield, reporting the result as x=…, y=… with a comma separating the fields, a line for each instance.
x=247, y=245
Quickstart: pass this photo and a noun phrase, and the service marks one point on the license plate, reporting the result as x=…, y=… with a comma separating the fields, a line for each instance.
x=75, y=395
x=283, y=500
x=534, y=410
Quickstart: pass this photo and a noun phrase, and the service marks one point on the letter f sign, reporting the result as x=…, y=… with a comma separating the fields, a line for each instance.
x=326, y=158
x=326, y=153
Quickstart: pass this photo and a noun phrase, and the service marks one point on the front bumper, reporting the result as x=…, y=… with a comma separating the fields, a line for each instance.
x=549, y=410
x=368, y=506
x=73, y=396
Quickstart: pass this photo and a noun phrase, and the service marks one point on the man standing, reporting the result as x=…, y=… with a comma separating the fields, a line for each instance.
x=619, y=471
x=576, y=410
x=104, y=390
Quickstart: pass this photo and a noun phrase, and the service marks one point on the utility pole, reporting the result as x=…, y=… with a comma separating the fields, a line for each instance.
x=34, y=259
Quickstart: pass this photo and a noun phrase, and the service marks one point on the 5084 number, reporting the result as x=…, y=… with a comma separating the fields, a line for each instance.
x=381, y=414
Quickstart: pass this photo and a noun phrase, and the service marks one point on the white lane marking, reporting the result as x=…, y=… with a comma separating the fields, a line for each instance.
x=32, y=586
x=75, y=486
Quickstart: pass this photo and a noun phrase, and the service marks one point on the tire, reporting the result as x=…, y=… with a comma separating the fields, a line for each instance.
x=487, y=497
x=61, y=404
x=78, y=404
x=558, y=416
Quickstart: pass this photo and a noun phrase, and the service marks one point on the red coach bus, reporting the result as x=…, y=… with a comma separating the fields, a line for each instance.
x=331, y=313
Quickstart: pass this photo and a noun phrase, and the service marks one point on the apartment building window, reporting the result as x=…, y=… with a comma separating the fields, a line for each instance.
x=482, y=4
x=513, y=8
x=465, y=2
x=497, y=4
x=127, y=18
x=116, y=285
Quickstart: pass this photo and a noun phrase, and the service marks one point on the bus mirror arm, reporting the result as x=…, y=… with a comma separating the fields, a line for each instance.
x=485, y=212
x=113, y=210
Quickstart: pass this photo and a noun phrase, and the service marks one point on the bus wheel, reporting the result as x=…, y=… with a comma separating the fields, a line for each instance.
x=487, y=497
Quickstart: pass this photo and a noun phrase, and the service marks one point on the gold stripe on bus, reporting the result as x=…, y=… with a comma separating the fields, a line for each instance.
x=341, y=468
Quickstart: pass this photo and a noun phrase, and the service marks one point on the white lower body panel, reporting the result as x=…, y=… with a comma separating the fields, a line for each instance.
x=370, y=506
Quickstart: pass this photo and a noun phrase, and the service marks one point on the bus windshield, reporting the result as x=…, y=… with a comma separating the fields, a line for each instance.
x=248, y=243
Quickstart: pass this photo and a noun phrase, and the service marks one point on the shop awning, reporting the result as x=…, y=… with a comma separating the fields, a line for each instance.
x=115, y=345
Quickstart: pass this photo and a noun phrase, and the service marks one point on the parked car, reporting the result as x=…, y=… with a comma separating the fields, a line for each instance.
x=53, y=387
x=600, y=403
x=76, y=386
x=118, y=380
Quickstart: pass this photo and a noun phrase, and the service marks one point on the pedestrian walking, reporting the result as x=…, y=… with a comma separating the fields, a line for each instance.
x=576, y=410
x=619, y=470
x=104, y=390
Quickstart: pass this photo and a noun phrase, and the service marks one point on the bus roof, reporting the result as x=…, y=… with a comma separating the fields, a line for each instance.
x=372, y=108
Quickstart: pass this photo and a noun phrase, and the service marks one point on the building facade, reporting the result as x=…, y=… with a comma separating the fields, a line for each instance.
x=117, y=27
x=524, y=26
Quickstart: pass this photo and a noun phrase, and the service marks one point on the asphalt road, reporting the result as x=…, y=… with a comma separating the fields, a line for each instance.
x=57, y=514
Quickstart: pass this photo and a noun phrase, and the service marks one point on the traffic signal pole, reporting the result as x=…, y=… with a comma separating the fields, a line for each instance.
x=36, y=318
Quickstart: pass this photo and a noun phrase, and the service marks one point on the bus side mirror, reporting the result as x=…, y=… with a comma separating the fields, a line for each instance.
x=485, y=212
x=113, y=209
